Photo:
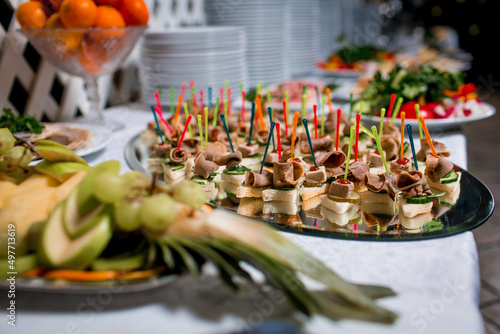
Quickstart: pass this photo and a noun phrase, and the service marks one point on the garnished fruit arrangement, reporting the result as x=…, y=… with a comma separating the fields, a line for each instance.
x=57, y=14
x=439, y=94
x=355, y=58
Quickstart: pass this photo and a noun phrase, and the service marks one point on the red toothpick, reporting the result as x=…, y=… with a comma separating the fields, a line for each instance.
x=358, y=120
x=158, y=111
x=183, y=88
x=278, y=139
x=338, y=129
x=284, y=115
x=221, y=94
x=202, y=104
x=157, y=98
x=391, y=106
x=229, y=101
x=315, y=108
x=242, y=107
x=184, y=131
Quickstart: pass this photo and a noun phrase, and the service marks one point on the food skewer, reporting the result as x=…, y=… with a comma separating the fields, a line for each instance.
x=294, y=131
x=429, y=139
x=315, y=108
x=267, y=148
x=200, y=130
x=381, y=126
x=278, y=139
x=322, y=115
x=178, y=109
x=163, y=119
x=356, y=145
x=337, y=135
x=185, y=105
x=184, y=131
x=391, y=106
x=270, y=113
x=251, y=124
x=379, y=147
x=417, y=111
x=403, y=115
x=304, y=121
x=285, y=117
x=399, y=102
x=349, y=149
x=157, y=124
x=412, y=145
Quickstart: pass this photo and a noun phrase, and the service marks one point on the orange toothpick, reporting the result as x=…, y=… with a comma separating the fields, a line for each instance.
x=428, y=136
x=329, y=99
x=178, y=109
x=259, y=114
x=403, y=115
x=294, y=130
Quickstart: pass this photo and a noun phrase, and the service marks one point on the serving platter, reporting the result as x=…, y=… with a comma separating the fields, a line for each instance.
x=434, y=124
x=473, y=207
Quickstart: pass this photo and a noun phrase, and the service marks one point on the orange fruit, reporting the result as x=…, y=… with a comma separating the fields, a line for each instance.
x=135, y=12
x=68, y=40
x=31, y=15
x=108, y=17
x=114, y=3
x=78, y=13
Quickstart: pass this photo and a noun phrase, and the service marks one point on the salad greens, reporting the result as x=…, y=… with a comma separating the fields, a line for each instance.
x=21, y=123
x=425, y=85
x=351, y=54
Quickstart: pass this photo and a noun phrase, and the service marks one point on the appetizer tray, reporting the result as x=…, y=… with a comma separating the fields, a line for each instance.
x=472, y=208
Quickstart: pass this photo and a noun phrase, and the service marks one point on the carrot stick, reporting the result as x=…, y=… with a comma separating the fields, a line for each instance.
x=131, y=275
x=81, y=275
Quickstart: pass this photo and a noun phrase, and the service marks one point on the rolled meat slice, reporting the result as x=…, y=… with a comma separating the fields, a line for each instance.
x=437, y=168
x=381, y=182
x=331, y=159
x=204, y=167
x=413, y=183
x=229, y=160
x=178, y=157
x=256, y=180
x=425, y=150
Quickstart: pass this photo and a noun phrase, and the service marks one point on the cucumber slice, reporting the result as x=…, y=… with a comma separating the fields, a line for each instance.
x=355, y=198
x=132, y=262
x=199, y=180
x=418, y=200
x=238, y=170
x=450, y=177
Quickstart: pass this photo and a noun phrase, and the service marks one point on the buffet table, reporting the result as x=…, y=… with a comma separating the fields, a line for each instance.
x=436, y=281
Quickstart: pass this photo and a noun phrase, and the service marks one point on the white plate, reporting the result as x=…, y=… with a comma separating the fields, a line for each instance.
x=433, y=124
x=101, y=137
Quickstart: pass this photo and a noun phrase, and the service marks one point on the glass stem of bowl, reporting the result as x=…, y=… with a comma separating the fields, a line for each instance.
x=93, y=97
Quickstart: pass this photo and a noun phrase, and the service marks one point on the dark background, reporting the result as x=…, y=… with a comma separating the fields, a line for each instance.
x=477, y=23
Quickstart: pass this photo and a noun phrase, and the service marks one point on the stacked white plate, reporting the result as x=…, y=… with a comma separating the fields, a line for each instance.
x=265, y=23
x=330, y=20
x=304, y=36
x=206, y=55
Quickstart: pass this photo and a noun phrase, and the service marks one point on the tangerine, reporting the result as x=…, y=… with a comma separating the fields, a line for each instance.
x=31, y=15
x=108, y=17
x=78, y=13
x=68, y=39
x=113, y=3
x=135, y=12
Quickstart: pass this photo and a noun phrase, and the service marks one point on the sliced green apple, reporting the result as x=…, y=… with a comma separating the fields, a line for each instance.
x=58, y=250
x=60, y=170
x=85, y=199
x=75, y=224
x=56, y=153
x=132, y=262
x=23, y=263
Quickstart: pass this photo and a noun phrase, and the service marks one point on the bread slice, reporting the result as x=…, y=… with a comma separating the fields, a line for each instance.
x=269, y=195
x=250, y=206
x=282, y=207
x=310, y=192
x=173, y=172
x=341, y=219
x=311, y=203
x=338, y=207
x=229, y=187
x=370, y=196
x=244, y=191
x=252, y=163
x=448, y=198
x=412, y=210
x=416, y=222
x=448, y=187
x=233, y=178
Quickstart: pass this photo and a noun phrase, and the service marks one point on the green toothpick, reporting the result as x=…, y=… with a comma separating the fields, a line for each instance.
x=323, y=98
x=417, y=110
x=206, y=124
x=225, y=112
x=395, y=112
x=185, y=105
x=381, y=126
x=200, y=130
x=268, y=96
x=172, y=100
x=304, y=97
x=351, y=103
x=379, y=146
x=349, y=149
x=241, y=87
x=216, y=111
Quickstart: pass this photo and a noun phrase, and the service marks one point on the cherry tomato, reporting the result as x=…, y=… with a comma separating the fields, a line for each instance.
x=427, y=110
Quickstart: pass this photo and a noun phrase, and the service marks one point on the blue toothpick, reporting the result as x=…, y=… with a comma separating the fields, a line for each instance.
x=304, y=121
x=227, y=131
x=251, y=124
x=270, y=112
x=410, y=135
x=157, y=124
x=267, y=147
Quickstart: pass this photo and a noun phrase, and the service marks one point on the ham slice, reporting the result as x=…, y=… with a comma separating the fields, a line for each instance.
x=316, y=176
x=287, y=173
x=381, y=182
x=437, y=168
x=178, y=157
x=256, y=180
x=375, y=159
x=229, y=160
x=331, y=159
x=357, y=170
x=191, y=145
x=390, y=145
x=161, y=150
x=392, y=130
x=248, y=150
x=320, y=144
x=343, y=190
x=425, y=149
x=413, y=184
x=204, y=167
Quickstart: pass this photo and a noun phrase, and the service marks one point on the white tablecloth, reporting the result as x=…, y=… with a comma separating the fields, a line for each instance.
x=437, y=283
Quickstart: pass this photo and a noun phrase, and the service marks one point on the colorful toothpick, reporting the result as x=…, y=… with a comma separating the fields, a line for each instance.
x=417, y=111
x=216, y=113
x=178, y=109
x=294, y=130
x=356, y=145
x=226, y=112
x=381, y=126
x=349, y=149
x=184, y=131
x=200, y=130
x=223, y=119
x=329, y=98
x=163, y=119
x=399, y=102
x=379, y=147
x=391, y=106
x=206, y=124
x=242, y=107
x=403, y=115
x=210, y=97
x=252, y=117
x=303, y=105
x=304, y=121
x=186, y=111
x=267, y=148
x=315, y=109
x=229, y=101
x=157, y=125
x=270, y=113
x=278, y=138
x=429, y=139
x=322, y=115
x=337, y=139
x=285, y=117
x=202, y=102
x=412, y=145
